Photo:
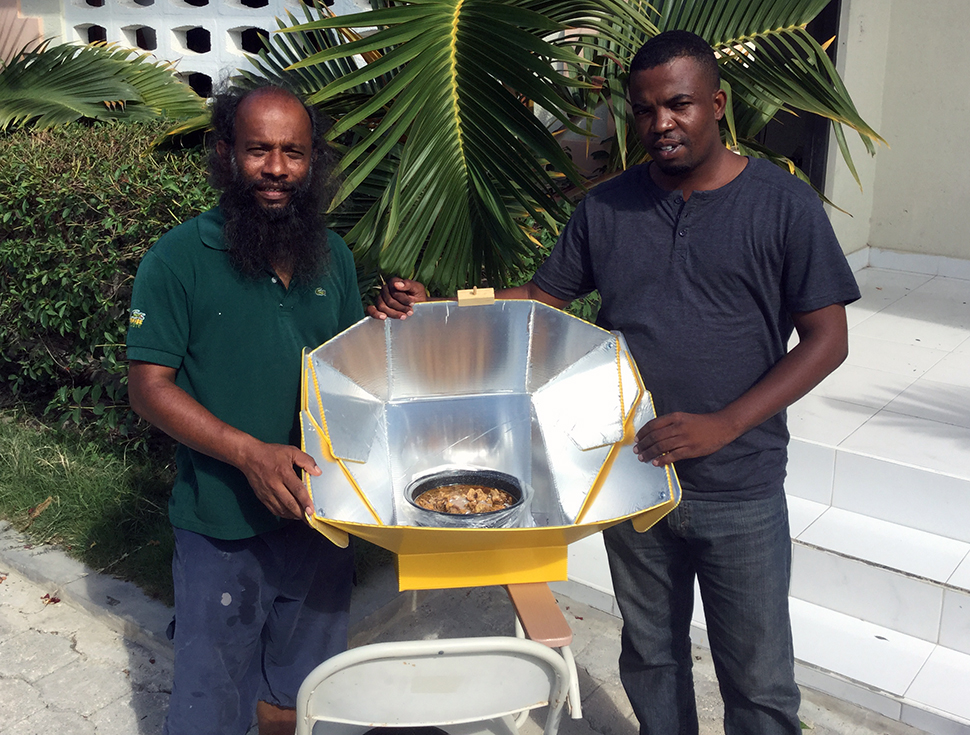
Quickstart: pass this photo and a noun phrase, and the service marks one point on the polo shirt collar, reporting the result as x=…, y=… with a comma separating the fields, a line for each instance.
x=211, y=224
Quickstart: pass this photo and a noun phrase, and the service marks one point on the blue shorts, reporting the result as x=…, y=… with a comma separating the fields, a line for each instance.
x=253, y=618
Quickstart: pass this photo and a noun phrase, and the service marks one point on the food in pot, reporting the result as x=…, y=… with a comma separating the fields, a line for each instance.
x=464, y=499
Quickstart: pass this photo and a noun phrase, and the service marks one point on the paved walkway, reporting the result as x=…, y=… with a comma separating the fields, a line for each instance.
x=64, y=671
x=81, y=654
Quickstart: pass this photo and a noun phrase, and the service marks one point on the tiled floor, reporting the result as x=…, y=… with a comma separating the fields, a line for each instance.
x=880, y=471
x=904, y=392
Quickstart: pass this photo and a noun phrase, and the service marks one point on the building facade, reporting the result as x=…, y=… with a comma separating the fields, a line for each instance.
x=205, y=39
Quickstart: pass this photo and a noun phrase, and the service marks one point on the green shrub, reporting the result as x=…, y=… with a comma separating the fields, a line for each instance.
x=79, y=206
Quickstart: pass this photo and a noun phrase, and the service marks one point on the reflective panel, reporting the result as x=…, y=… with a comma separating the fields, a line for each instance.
x=513, y=387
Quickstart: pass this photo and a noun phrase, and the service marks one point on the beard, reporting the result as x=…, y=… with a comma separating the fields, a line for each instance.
x=292, y=237
x=673, y=169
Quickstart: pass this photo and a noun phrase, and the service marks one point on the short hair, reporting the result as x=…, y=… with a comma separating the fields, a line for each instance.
x=225, y=106
x=669, y=45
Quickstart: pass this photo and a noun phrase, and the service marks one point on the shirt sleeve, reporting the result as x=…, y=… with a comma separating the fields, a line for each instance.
x=816, y=273
x=158, y=323
x=567, y=273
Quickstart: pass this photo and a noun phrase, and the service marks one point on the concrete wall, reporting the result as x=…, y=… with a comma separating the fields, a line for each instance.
x=922, y=185
x=48, y=13
x=863, y=45
x=905, y=65
x=167, y=22
x=16, y=32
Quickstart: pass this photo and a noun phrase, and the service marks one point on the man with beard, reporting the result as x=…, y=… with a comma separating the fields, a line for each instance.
x=222, y=307
x=705, y=260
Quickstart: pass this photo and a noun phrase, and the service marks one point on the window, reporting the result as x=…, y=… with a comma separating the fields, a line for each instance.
x=144, y=37
x=201, y=83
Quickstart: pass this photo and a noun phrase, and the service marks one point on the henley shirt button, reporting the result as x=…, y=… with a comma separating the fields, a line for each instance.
x=273, y=279
x=682, y=233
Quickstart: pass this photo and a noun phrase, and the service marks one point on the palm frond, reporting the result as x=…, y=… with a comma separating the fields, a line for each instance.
x=51, y=85
x=452, y=78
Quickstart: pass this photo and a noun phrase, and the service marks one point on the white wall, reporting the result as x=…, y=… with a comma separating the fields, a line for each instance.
x=223, y=19
x=863, y=44
x=922, y=185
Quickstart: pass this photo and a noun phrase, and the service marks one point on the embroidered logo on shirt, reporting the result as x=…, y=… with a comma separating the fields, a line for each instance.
x=320, y=292
x=136, y=318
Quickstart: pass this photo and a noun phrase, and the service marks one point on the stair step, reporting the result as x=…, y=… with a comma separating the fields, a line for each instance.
x=909, y=550
x=902, y=677
x=891, y=575
x=909, y=679
x=927, y=498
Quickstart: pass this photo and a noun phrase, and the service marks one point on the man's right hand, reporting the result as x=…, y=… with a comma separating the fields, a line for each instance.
x=396, y=298
x=272, y=472
x=271, y=469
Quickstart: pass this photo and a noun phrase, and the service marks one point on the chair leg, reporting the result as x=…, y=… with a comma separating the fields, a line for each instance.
x=524, y=715
x=575, y=704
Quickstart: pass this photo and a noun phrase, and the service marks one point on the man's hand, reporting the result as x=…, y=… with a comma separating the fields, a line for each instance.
x=823, y=345
x=271, y=470
x=396, y=298
x=677, y=436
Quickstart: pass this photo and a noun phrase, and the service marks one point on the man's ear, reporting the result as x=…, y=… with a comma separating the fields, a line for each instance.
x=222, y=148
x=720, y=103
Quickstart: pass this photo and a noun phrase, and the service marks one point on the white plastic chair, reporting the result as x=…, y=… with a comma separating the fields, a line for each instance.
x=465, y=686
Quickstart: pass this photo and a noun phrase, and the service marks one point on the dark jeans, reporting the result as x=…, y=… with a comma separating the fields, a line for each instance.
x=253, y=617
x=741, y=555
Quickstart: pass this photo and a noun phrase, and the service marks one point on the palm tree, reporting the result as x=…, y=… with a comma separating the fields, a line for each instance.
x=444, y=157
x=47, y=85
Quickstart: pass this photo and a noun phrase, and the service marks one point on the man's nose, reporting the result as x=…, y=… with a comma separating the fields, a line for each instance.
x=274, y=164
x=662, y=123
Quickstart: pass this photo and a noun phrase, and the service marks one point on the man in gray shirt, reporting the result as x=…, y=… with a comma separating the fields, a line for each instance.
x=705, y=261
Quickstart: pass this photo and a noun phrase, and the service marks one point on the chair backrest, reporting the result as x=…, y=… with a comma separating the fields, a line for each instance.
x=434, y=682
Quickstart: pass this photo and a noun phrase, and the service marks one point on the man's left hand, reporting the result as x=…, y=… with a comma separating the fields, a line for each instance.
x=676, y=436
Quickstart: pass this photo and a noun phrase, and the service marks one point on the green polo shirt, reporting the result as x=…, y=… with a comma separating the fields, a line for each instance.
x=236, y=343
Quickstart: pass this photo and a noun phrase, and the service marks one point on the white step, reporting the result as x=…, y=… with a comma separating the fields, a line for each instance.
x=899, y=676
x=880, y=613
x=932, y=496
x=903, y=677
x=907, y=580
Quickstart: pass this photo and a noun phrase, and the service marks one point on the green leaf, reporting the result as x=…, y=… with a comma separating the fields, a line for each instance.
x=445, y=89
x=52, y=85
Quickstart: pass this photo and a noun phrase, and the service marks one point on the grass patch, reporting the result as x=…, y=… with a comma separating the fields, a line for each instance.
x=105, y=508
x=101, y=506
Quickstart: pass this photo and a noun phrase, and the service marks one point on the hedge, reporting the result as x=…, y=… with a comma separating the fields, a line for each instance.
x=79, y=206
